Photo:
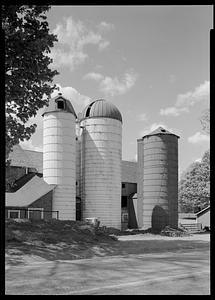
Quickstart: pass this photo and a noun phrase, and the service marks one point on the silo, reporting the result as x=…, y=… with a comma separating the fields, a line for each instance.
x=159, y=162
x=101, y=155
x=59, y=151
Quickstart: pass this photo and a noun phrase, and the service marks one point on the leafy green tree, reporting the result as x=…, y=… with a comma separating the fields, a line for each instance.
x=205, y=121
x=194, y=186
x=28, y=77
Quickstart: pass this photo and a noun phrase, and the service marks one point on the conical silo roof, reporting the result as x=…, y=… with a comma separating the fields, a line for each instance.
x=101, y=109
x=160, y=130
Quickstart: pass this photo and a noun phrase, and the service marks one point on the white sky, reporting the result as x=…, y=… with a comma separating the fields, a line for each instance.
x=152, y=62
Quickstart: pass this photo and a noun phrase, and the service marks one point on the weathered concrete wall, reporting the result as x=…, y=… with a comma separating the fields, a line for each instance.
x=140, y=167
x=78, y=160
x=158, y=183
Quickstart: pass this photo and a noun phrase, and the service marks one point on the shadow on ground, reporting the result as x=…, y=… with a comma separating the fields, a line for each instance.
x=69, y=240
x=61, y=251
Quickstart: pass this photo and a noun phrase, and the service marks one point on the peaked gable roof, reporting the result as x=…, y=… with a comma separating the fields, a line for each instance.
x=160, y=130
x=30, y=192
x=26, y=158
x=204, y=210
x=19, y=158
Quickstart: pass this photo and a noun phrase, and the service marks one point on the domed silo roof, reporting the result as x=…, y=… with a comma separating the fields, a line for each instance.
x=101, y=109
x=160, y=130
x=59, y=103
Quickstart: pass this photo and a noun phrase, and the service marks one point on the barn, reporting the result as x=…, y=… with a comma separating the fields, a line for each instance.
x=32, y=201
x=203, y=217
x=80, y=174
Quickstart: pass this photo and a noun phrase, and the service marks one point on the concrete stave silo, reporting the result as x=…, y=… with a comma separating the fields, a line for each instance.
x=59, y=155
x=101, y=125
x=158, y=190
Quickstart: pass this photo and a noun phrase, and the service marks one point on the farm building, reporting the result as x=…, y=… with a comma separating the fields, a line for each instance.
x=81, y=170
x=203, y=217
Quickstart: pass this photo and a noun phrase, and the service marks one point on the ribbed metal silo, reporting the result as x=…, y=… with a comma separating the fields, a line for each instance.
x=101, y=154
x=59, y=152
x=159, y=163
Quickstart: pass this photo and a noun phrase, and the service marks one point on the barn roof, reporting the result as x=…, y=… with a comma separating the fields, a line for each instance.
x=203, y=211
x=29, y=193
x=26, y=158
x=19, y=158
x=34, y=159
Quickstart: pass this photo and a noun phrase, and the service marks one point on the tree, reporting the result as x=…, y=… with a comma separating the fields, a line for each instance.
x=194, y=187
x=205, y=121
x=28, y=77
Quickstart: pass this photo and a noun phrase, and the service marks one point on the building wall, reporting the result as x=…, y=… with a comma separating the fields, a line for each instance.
x=159, y=182
x=59, y=161
x=129, y=171
x=101, y=170
x=44, y=202
x=204, y=219
x=23, y=211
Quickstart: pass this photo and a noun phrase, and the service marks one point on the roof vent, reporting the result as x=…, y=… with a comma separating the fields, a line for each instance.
x=163, y=130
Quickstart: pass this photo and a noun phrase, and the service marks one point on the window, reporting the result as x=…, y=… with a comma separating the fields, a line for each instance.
x=35, y=213
x=123, y=185
x=60, y=104
x=14, y=214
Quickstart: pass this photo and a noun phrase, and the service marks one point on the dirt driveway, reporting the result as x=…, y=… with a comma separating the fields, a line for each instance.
x=178, y=272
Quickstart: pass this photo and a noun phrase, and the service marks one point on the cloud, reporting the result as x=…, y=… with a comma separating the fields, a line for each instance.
x=104, y=26
x=201, y=93
x=73, y=37
x=198, y=138
x=78, y=100
x=185, y=101
x=103, y=45
x=94, y=76
x=114, y=86
x=28, y=145
x=172, y=78
x=142, y=117
x=198, y=159
x=173, y=111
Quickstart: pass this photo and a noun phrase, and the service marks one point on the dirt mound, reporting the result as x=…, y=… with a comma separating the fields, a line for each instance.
x=54, y=231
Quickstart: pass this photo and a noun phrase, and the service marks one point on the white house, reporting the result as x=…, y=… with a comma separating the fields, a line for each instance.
x=203, y=217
